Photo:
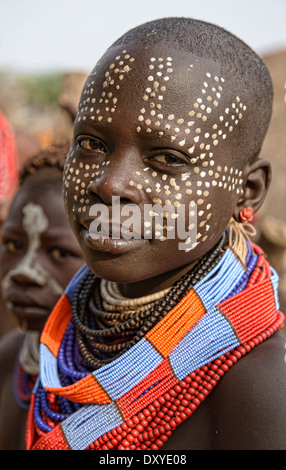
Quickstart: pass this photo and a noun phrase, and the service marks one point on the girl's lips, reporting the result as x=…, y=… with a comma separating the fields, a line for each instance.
x=109, y=229
x=107, y=244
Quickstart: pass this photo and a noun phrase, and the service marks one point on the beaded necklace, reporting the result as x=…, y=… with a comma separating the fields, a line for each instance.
x=133, y=326
x=96, y=395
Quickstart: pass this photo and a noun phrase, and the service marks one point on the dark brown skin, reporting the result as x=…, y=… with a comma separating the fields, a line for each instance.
x=7, y=322
x=245, y=411
x=60, y=255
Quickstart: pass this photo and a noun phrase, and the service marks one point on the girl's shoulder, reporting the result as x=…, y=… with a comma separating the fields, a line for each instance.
x=249, y=402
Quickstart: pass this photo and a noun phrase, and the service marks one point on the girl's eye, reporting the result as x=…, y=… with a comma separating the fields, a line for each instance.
x=12, y=246
x=168, y=159
x=92, y=144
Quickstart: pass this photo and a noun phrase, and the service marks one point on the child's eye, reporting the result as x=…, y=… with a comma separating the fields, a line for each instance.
x=59, y=254
x=168, y=159
x=13, y=246
x=88, y=143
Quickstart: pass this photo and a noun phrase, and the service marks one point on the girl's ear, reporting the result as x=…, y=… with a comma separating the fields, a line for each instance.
x=257, y=178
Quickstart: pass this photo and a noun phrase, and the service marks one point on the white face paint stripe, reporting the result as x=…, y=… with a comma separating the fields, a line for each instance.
x=35, y=223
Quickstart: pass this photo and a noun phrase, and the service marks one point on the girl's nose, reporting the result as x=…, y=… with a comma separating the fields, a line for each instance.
x=114, y=180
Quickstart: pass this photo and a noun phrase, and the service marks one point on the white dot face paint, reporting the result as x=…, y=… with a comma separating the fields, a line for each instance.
x=103, y=106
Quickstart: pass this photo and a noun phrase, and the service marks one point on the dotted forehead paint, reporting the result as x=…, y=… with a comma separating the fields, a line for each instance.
x=187, y=131
x=180, y=127
x=159, y=74
x=102, y=108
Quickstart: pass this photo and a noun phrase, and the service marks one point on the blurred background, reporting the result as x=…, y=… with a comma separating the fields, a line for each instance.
x=48, y=48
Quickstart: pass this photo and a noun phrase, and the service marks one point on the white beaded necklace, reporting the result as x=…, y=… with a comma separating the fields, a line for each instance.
x=114, y=301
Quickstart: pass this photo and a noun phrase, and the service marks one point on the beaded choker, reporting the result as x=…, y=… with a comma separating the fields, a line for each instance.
x=93, y=393
x=114, y=301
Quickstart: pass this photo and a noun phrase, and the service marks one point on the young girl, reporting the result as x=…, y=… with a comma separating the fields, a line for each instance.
x=39, y=255
x=160, y=185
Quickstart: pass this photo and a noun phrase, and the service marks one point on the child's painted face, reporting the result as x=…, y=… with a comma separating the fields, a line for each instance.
x=153, y=129
x=38, y=257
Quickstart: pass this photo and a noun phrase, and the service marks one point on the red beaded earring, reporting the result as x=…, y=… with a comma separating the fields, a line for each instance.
x=246, y=214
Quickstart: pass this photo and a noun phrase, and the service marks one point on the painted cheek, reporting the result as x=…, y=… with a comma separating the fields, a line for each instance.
x=194, y=189
x=77, y=177
x=169, y=194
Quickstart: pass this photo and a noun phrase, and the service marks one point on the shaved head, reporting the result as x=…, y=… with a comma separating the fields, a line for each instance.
x=240, y=66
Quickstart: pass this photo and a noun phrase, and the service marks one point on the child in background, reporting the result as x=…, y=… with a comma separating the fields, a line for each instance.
x=167, y=339
x=39, y=255
x=9, y=168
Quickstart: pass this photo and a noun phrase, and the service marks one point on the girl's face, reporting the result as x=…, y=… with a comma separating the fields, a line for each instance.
x=38, y=257
x=152, y=129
